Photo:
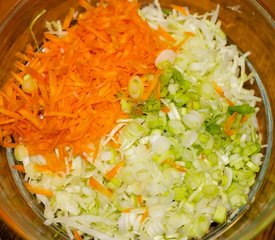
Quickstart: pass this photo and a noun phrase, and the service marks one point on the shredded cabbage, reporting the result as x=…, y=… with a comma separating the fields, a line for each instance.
x=181, y=171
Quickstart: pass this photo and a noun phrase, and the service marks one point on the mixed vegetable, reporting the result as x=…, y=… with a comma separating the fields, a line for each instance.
x=133, y=123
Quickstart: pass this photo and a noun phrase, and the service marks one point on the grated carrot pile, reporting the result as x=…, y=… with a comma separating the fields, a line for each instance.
x=78, y=78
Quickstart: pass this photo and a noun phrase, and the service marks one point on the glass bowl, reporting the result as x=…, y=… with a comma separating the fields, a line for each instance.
x=246, y=23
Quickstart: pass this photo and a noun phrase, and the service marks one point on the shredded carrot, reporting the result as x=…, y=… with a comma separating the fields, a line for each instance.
x=85, y=4
x=158, y=91
x=54, y=164
x=219, y=90
x=228, y=124
x=174, y=165
x=110, y=174
x=190, y=34
x=17, y=77
x=38, y=190
x=78, y=78
x=113, y=143
x=68, y=19
x=100, y=188
x=19, y=168
x=244, y=118
x=139, y=199
x=144, y=215
x=165, y=35
x=180, y=9
x=95, y=152
x=165, y=109
x=76, y=235
x=127, y=210
x=183, y=41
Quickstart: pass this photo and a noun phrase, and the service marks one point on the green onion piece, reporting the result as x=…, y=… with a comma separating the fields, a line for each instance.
x=29, y=85
x=166, y=76
x=193, y=180
x=175, y=127
x=180, y=99
x=135, y=87
x=220, y=214
x=180, y=194
x=213, y=158
x=155, y=122
x=213, y=128
x=134, y=129
x=20, y=152
x=151, y=105
x=193, y=95
x=207, y=90
x=164, y=64
x=253, y=167
x=166, y=11
x=210, y=190
x=125, y=106
x=177, y=76
x=243, y=109
x=201, y=226
x=32, y=24
x=237, y=200
x=251, y=148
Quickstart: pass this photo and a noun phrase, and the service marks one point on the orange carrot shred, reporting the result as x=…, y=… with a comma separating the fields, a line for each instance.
x=219, y=90
x=174, y=165
x=85, y=4
x=165, y=109
x=183, y=41
x=144, y=215
x=190, y=34
x=139, y=199
x=228, y=124
x=19, y=168
x=244, y=118
x=180, y=9
x=99, y=187
x=110, y=174
x=165, y=34
x=68, y=19
x=127, y=210
x=38, y=190
x=76, y=102
x=17, y=77
x=76, y=235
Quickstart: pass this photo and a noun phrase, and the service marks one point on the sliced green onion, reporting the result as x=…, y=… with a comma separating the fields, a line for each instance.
x=155, y=122
x=175, y=127
x=29, y=85
x=20, y=152
x=180, y=193
x=125, y=106
x=165, y=59
x=220, y=214
x=135, y=87
x=243, y=109
x=207, y=90
x=166, y=76
x=201, y=226
x=251, y=148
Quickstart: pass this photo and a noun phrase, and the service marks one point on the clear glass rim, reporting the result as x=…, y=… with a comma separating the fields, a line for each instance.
x=264, y=12
x=263, y=221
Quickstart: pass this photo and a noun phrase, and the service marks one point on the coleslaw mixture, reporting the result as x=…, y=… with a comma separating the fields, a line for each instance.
x=183, y=158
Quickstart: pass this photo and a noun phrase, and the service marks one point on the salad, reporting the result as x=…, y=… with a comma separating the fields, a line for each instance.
x=133, y=122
